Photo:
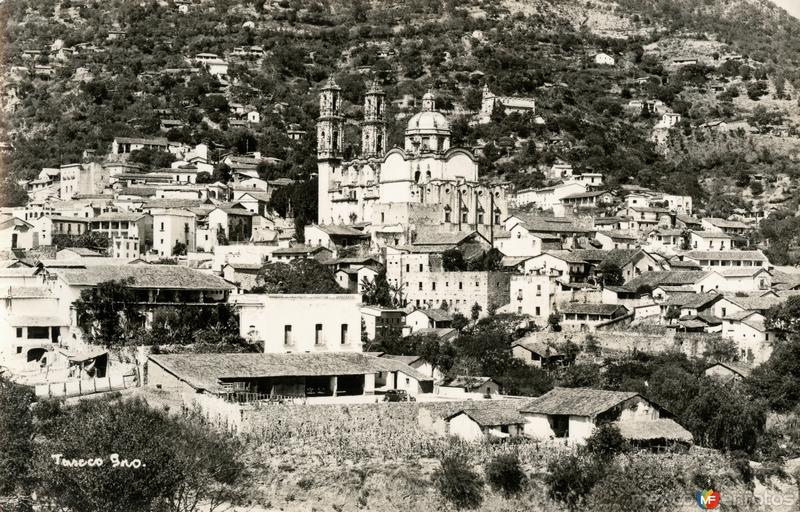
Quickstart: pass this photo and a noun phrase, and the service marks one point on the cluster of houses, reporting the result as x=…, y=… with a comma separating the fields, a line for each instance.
x=451, y=244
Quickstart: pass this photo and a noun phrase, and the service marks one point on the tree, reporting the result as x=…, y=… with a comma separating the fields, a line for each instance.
x=378, y=292
x=725, y=418
x=108, y=312
x=179, y=249
x=784, y=317
x=12, y=194
x=182, y=462
x=90, y=240
x=554, y=321
x=16, y=438
x=300, y=276
x=151, y=158
x=458, y=483
x=475, y=312
x=672, y=313
x=756, y=188
x=606, y=442
x=453, y=261
x=504, y=473
x=612, y=274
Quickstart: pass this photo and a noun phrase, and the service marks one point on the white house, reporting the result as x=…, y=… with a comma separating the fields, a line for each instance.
x=753, y=339
x=324, y=323
x=16, y=234
x=710, y=241
x=612, y=239
x=564, y=265
x=486, y=419
x=573, y=413
x=171, y=226
x=465, y=387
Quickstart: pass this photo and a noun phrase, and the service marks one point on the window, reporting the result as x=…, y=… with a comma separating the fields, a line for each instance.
x=383, y=217
x=344, y=334
x=38, y=333
x=460, y=285
x=447, y=213
x=420, y=286
x=420, y=267
x=318, y=334
x=538, y=290
x=433, y=286
x=19, y=350
x=465, y=216
x=19, y=332
x=537, y=311
x=287, y=334
x=408, y=267
x=480, y=217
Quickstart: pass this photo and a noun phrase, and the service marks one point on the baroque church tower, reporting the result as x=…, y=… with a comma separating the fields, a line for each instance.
x=330, y=126
x=373, y=129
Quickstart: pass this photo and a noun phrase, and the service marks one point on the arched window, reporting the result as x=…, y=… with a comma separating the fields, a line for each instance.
x=447, y=212
x=379, y=144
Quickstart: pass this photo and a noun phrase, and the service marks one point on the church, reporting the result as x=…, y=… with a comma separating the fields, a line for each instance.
x=426, y=182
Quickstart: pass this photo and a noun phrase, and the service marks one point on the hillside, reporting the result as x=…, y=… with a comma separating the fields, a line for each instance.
x=79, y=72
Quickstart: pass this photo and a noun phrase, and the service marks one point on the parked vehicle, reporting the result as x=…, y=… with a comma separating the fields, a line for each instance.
x=398, y=395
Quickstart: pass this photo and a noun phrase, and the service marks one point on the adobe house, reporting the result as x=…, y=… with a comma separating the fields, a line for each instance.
x=572, y=414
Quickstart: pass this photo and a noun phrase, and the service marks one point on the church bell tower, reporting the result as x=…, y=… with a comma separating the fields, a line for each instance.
x=373, y=129
x=329, y=146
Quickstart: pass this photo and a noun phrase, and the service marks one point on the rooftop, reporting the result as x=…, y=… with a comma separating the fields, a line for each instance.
x=173, y=277
x=205, y=371
x=645, y=430
x=583, y=308
x=577, y=401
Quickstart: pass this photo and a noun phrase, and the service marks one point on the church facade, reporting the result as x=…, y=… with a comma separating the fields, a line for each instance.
x=425, y=182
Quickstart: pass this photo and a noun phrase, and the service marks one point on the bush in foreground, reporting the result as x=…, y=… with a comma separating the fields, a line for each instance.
x=458, y=483
x=505, y=474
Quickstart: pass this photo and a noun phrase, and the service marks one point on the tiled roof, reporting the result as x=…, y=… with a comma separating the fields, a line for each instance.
x=565, y=255
x=727, y=255
x=203, y=371
x=335, y=230
x=645, y=430
x=712, y=234
x=492, y=413
x=535, y=346
x=157, y=141
x=467, y=382
x=173, y=277
x=577, y=401
x=754, y=303
x=723, y=223
x=671, y=277
x=437, y=315
x=300, y=249
x=119, y=216
x=582, y=308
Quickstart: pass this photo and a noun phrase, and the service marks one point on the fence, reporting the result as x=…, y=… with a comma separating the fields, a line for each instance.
x=80, y=387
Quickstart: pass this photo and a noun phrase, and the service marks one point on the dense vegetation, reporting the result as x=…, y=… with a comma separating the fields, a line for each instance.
x=452, y=47
x=150, y=460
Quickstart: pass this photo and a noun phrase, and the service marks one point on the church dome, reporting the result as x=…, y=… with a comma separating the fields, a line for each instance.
x=428, y=121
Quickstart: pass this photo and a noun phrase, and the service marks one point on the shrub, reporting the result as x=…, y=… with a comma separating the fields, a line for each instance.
x=570, y=479
x=606, y=442
x=647, y=483
x=505, y=474
x=458, y=483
